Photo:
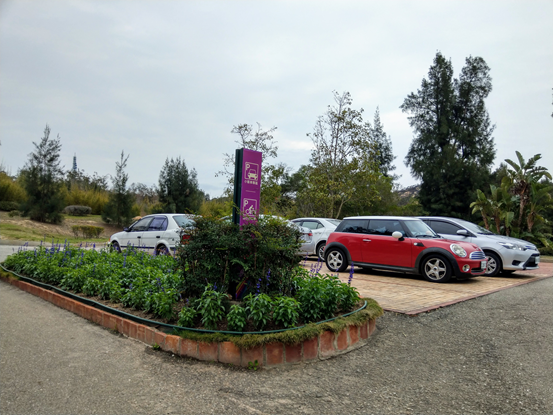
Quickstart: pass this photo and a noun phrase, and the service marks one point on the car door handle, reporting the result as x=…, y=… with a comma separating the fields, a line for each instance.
x=139, y=237
x=366, y=240
x=158, y=237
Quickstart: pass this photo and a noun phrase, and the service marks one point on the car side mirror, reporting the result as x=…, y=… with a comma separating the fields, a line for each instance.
x=125, y=229
x=398, y=235
x=462, y=232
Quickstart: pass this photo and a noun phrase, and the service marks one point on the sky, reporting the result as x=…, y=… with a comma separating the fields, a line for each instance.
x=166, y=79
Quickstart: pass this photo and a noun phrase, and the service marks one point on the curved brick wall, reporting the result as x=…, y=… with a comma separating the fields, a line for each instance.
x=322, y=347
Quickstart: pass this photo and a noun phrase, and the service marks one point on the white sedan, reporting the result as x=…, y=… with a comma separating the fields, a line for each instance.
x=160, y=232
x=321, y=228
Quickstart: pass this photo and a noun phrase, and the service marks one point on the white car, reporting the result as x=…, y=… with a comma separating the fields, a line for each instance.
x=160, y=232
x=321, y=228
x=505, y=254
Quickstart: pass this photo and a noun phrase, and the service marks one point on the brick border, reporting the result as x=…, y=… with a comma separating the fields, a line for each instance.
x=322, y=347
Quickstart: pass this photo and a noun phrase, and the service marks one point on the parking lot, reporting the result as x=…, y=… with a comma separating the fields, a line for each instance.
x=411, y=294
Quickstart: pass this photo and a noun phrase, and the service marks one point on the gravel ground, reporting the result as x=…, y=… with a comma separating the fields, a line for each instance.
x=490, y=355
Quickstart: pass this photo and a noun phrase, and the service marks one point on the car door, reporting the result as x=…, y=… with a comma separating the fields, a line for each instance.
x=351, y=235
x=134, y=234
x=381, y=248
x=155, y=231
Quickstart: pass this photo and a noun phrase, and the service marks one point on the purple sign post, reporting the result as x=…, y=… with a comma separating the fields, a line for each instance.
x=247, y=186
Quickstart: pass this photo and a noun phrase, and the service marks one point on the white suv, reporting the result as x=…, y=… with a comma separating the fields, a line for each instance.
x=504, y=253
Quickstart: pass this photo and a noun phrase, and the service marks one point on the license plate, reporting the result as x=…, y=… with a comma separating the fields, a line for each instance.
x=483, y=264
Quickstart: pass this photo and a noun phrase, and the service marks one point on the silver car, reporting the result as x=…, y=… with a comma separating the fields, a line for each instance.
x=504, y=253
x=160, y=232
x=321, y=228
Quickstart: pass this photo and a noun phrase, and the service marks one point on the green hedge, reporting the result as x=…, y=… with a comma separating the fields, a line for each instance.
x=87, y=231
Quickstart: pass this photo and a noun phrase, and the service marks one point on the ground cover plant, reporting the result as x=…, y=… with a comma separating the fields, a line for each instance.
x=161, y=287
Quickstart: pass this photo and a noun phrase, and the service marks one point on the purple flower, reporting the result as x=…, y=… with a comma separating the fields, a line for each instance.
x=350, y=274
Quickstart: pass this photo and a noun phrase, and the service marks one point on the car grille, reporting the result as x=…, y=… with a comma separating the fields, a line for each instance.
x=477, y=255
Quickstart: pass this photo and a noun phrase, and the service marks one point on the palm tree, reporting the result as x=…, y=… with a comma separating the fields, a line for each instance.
x=482, y=205
x=522, y=176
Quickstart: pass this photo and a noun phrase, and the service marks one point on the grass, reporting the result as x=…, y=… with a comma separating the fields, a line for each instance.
x=25, y=230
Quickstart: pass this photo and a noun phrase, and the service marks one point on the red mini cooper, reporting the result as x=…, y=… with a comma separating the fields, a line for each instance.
x=401, y=244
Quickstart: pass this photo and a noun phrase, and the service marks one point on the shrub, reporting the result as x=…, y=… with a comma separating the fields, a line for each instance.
x=259, y=308
x=87, y=231
x=211, y=306
x=8, y=206
x=286, y=311
x=187, y=316
x=223, y=254
x=236, y=318
x=77, y=210
x=14, y=213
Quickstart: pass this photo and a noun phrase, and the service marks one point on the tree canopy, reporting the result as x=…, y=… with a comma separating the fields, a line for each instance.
x=42, y=181
x=453, y=148
x=119, y=207
x=178, y=189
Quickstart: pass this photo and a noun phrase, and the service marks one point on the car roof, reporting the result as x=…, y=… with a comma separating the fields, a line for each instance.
x=383, y=217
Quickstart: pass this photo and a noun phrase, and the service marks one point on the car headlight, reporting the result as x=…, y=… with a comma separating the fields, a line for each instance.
x=458, y=250
x=509, y=245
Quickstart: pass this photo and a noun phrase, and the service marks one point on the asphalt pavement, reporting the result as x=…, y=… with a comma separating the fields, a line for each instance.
x=489, y=355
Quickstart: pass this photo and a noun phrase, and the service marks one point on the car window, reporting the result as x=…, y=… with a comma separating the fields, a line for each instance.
x=335, y=222
x=141, y=225
x=354, y=226
x=385, y=227
x=183, y=221
x=444, y=227
x=158, y=224
x=311, y=224
x=419, y=229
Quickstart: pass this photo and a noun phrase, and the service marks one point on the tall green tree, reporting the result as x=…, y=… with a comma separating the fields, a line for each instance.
x=383, y=145
x=453, y=149
x=43, y=181
x=344, y=162
x=118, y=210
x=178, y=189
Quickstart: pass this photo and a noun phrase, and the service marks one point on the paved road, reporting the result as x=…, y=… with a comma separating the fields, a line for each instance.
x=491, y=355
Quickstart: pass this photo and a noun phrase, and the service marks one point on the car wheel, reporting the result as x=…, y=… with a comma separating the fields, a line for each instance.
x=435, y=268
x=494, y=264
x=162, y=250
x=115, y=246
x=321, y=250
x=336, y=260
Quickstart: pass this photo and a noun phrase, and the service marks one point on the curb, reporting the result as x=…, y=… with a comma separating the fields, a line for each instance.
x=322, y=347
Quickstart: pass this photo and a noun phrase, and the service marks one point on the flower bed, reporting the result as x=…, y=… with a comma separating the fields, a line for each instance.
x=156, y=288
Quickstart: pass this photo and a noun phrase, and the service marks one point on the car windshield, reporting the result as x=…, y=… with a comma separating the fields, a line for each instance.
x=474, y=228
x=420, y=229
x=183, y=221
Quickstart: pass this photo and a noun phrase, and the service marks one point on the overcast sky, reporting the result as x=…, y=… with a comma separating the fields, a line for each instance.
x=162, y=79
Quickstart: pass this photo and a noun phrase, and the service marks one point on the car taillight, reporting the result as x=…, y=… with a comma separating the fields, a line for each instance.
x=185, y=238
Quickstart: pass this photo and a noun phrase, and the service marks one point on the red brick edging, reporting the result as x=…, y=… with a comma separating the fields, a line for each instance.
x=321, y=347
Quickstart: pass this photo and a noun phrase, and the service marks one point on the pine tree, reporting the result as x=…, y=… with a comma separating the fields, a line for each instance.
x=118, y=210
x=42, y=179
x=178, y=188
x=453, y=147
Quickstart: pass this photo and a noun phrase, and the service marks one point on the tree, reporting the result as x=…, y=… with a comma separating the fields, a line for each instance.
x=42, y=181
x=178, y=189
x=522, y=175
x=383, y=146
x=257, y=140
x=118, y=210
x=453, y=148
x=343, y=163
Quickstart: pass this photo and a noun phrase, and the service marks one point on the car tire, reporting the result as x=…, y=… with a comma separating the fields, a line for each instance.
x=161, y=250
x=321, y=250
x=115, y=246
x=494, y=264
x=435, y=268
x=335, y=260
